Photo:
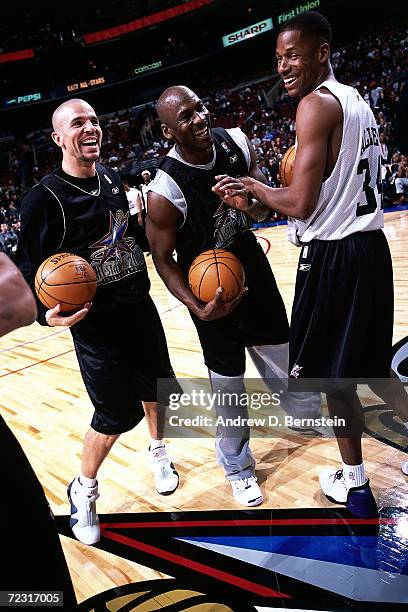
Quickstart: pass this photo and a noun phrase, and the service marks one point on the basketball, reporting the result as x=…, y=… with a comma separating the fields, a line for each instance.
x=216, y=268
x=286, y=166
x=65, y=279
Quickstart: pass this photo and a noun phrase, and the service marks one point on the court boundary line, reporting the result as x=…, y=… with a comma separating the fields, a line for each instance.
x=31, y=365
x=11, y=348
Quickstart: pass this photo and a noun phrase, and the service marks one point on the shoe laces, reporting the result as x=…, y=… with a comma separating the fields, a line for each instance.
x=91, y=497
x=159, y=453
x=87, y=494
x=243, y=483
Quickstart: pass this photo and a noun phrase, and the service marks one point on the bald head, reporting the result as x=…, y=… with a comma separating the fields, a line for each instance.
x=63, y=110
x=170, y=101
x=185, y=120
x=78, y=134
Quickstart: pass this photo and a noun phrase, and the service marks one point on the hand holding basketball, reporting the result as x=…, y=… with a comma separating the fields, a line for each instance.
x=213, y=269
x=65, y=283
x=216, y=277
x=216, y=309
x=55, y=319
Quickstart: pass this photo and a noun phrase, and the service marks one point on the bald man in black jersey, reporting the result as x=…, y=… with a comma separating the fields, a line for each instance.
x=185, y=215
x=82, y=208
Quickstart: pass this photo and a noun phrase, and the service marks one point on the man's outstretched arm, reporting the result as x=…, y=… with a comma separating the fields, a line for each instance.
x=317, y=117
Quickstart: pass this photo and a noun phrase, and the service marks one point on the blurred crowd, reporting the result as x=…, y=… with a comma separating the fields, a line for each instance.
x=62, y=27
x=10, y=198
x=377, y=66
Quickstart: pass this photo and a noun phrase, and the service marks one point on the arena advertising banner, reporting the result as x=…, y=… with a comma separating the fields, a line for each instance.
x=147, y=67
x=15, y=56
x=24, y=99
x=248, y=32
x=76, y=86
x=300, y=8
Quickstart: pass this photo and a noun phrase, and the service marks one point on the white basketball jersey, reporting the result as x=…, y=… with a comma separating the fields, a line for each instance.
x=350, y=199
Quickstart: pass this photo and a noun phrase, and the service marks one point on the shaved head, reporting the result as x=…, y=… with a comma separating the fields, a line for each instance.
x=60, y=113
x=186, y=121
x=170, y=101
x=76, y=131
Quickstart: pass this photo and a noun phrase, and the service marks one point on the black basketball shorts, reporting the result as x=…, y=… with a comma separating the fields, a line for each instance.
x=120, y=358
x=258, y=320
x=342, y=317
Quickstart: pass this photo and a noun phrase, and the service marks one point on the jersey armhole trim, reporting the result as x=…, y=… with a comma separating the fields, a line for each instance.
x=246, y=153
x=63, y=216
x=172, y=203
x=342, y=132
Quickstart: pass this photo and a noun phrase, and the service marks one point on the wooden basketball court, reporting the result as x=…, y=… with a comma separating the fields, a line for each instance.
x=44, y=402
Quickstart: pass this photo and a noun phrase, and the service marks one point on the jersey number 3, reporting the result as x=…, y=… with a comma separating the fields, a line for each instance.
x=371, y=206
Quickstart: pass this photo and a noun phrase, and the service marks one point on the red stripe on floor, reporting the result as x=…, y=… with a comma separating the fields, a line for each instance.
x=242, y=583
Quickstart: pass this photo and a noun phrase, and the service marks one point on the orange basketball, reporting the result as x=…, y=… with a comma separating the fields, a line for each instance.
x=216, y=268
x=65, y=279
x=286, y=166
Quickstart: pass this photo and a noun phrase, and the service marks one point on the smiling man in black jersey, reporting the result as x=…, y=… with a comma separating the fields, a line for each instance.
x=82, y=208
x=185, y=215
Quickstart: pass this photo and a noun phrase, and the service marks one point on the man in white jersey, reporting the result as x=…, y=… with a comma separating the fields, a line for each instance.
x=134, y=198
x=144, y=188
x=342, y=317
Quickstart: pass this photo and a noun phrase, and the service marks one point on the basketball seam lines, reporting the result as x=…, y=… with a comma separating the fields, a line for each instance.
x=61, y=265
x=202, y=277
x=216, y=267
x=63, y=215
x=232, y=272
x=39, y=286
x=54, y=298
x=211, y=258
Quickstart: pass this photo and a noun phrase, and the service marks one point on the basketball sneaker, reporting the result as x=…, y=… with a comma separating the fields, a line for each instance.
x=358, y=500
x=246, y=491
x=404, y=468
x=84, y=521
x=166, y=477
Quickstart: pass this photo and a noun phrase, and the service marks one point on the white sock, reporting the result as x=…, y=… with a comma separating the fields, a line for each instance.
x=87, y=482
x=354, y=475
x=156, y=444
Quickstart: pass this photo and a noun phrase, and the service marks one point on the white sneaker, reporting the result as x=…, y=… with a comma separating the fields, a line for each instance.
x=404, y=468
x=333, y=485
x=359, y=501
x=166, y=477
x=246, y=491
x=84, y=521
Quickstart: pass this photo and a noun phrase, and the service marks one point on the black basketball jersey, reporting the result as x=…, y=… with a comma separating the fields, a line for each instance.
x=260, y=318
x=209, y=222
x=88, y=217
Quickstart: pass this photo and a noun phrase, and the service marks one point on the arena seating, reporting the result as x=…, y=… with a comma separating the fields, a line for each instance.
x=376, y=65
